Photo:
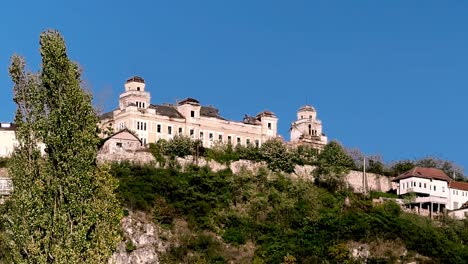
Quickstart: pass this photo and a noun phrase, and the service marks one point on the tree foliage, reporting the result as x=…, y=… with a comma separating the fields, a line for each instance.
x=333, y=164
x=63, y=209
x=285, y=219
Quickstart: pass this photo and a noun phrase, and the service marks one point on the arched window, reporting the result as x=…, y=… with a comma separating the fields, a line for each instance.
x=310, y=129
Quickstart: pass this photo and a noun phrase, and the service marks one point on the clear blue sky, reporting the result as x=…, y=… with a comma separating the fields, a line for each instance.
x=388, y=77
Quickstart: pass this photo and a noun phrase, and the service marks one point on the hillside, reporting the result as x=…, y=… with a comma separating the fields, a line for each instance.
x=268, y=217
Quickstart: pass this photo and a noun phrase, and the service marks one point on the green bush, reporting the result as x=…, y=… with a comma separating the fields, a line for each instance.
x=279, y=215
x=129, y=246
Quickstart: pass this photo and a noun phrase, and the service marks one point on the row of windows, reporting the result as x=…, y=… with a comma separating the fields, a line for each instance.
x=140, y=104
x=121, y=126
x=312, y=132
x=421, y=185
x=141, y=126
x=211, y=137
x=455, y=192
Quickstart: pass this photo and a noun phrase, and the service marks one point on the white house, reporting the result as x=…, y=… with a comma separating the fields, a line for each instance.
x=434, y=190
x=7, y=139
x=122, y=141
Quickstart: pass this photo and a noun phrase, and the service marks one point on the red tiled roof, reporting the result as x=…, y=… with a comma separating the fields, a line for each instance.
x=459, y=185
x=427, y=173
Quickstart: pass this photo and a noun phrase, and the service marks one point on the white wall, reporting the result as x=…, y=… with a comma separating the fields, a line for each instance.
x=457, y=198
x=7, y=142
x=436, y=188
x=459, y=214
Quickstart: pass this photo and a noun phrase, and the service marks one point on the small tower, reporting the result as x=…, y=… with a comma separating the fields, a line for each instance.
x=134, y=94
x=307, y=129
x=269, y=123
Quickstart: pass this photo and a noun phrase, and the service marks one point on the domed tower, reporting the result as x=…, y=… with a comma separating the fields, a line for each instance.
x=307, y=128
x=134, y=94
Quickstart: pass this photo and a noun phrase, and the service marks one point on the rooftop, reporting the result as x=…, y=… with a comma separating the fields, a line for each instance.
x=266, y=113
x=307, y=108
x=135, y=79
x=189, y=100
x=426, y=173
x=7, y=127
x=459, y=185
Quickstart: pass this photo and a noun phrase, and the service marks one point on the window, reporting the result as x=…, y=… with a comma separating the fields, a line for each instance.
x=158, y=128
x=180, y=131
x=435, y=188
x=118, y=144
x=210, y=136
x=238, y=140
x=144, y=126
x=229, y=139
x=192, y=132
x=138, y=125
x=443, y=189
x=302, y=117
x=310, y=129
x=201, y=135
x=419, y=185
x=192, y=113
x=247, y=141
x=269, y=125
x=310, y=117
x=220, y=138
x=138, y=88
x=169, y=130
x=424, y=185
x=257, y=143
x=143, y=105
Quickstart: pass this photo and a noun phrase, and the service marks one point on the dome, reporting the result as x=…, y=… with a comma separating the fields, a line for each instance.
x=135, y=79
x=306, y=108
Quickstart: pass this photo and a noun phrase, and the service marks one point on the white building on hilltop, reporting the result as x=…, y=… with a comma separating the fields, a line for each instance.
x=307, y=129
x=188, y=117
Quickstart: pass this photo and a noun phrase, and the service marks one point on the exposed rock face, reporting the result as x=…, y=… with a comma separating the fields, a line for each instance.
x=145, y=244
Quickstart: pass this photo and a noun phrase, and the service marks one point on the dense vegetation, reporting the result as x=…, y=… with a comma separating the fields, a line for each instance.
x=280, y=157
x=290, y=221
x=63, y=208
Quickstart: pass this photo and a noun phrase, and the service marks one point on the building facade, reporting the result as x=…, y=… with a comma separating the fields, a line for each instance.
x=307, y=129
x=434, y=190
x=7, y=139
x=122, y=141
x=188, y=117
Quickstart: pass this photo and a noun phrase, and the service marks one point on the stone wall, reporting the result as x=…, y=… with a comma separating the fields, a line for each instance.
x=375, y=182
x=3, y=172
x=138, y=157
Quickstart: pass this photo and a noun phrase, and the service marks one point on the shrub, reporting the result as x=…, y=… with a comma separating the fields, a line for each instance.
x=276, y=155
x=129, y=246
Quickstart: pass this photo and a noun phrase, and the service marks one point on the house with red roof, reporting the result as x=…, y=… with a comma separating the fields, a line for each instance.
x=435, y=191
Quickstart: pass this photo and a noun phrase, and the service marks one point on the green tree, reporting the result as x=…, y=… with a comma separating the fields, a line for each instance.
x=333, y=164
x=278, y=158
x=401, y=167
x=63, y=208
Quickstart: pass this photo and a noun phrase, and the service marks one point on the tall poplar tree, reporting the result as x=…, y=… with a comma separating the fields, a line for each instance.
x=63, y=208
